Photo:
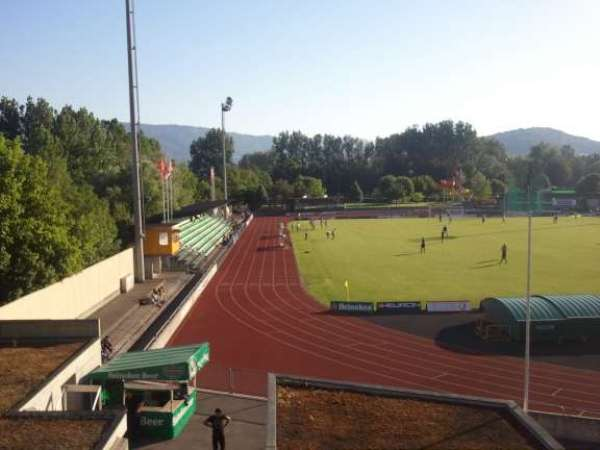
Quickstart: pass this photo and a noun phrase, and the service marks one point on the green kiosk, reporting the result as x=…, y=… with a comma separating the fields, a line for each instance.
x=158, y=387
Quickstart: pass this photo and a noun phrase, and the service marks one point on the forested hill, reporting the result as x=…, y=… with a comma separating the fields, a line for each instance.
x=176, y=139
x=519, y=141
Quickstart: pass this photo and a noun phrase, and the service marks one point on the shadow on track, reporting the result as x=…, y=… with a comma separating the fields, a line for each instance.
x=456, y=332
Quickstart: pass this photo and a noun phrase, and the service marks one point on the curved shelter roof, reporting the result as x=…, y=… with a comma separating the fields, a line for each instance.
x=576, y=306
x=545, y=307
x=515, y=309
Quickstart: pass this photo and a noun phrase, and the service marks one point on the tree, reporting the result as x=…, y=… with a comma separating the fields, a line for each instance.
x=498, y=187
x=187, y=187
x=356, y=192
x=207, y=152
x=389, y=188
x=308, y=186
x=258, y=160
x=406, y=187
x=259, y=198
x=282, y=190
x=480, y=186
x=589, y=185
x=36, y=247
x=10, y=118
x=425, y=184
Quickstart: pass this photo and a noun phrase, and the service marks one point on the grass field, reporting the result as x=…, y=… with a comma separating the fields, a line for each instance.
x=381, y=260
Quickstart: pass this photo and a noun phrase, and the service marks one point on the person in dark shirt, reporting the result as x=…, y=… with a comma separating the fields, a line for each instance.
x=504, y=254
x=218, y=421
x=422, y=245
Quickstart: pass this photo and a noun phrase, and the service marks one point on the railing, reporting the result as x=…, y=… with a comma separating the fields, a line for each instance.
x=216, y=377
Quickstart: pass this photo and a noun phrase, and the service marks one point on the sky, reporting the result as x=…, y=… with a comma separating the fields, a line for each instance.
x=364, y=68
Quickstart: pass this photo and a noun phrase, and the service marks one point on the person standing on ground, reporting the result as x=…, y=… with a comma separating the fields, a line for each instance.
x=443, y=236
x=306, y=235
x=503, y=254
x=333, y=233
x=422, y=245
x=218, y=422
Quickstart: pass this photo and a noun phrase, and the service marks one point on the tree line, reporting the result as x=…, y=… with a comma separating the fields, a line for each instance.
x=65, y=191
x=406, y=166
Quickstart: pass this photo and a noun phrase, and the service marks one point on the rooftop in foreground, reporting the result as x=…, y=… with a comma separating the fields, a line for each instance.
x=24, y=367
x=318, y=414
x=23, y=371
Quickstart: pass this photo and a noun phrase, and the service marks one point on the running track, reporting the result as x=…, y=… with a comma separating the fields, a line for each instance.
x=257, y=316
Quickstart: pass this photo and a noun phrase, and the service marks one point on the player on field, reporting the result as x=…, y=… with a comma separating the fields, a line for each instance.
x=422, y=245
x=503, y=254
x=333, y=234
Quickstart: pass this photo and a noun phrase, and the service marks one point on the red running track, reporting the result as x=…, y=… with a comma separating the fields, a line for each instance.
x=257, y=316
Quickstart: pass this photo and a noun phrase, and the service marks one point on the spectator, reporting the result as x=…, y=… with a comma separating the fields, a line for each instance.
x=218, y=422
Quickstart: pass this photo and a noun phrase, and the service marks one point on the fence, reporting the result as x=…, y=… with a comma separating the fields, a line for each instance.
x=221, y=378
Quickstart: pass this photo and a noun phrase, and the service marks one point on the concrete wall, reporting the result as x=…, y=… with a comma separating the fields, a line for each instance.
x=76, y=296
x=572, y=428
x=48, y=329
x=49, y=396
x=169, y=330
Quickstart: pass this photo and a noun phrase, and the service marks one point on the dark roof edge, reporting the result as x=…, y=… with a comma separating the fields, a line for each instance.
x=530, y=425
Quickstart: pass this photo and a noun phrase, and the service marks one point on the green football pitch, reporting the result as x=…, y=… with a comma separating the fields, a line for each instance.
x=381, y=260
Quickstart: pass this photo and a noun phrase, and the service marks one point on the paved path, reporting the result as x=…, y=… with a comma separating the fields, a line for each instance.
x=246, y=431
x=256, y=315
x=123, y=319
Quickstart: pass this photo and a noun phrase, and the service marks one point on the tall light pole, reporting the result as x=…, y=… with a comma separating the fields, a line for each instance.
x=526, y=375
x=138, y=219
x=225, y=107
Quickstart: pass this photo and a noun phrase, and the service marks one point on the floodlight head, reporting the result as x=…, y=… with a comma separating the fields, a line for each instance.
x=228, y=104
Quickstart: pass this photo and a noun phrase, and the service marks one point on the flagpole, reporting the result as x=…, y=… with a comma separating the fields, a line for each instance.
x=172, y=166
x=164, y=198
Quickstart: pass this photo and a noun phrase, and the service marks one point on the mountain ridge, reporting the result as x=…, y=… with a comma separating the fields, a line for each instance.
x=520, y=140
x=175, y=140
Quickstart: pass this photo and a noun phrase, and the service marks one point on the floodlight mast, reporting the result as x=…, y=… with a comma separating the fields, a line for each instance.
x=527, y=371
x=225, y=107
x=138, y=218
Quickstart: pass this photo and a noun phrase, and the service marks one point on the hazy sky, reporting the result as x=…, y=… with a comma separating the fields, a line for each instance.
x=366, y=68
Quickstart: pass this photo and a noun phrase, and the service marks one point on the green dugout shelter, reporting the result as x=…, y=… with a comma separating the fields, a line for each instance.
x=553, y=317
x=158, y=387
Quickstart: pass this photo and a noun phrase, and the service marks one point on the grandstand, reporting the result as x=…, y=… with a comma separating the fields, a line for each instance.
x=185, y=242
x=199, y=237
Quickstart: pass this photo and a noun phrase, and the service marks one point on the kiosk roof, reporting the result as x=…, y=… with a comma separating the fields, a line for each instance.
x=173, y=363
